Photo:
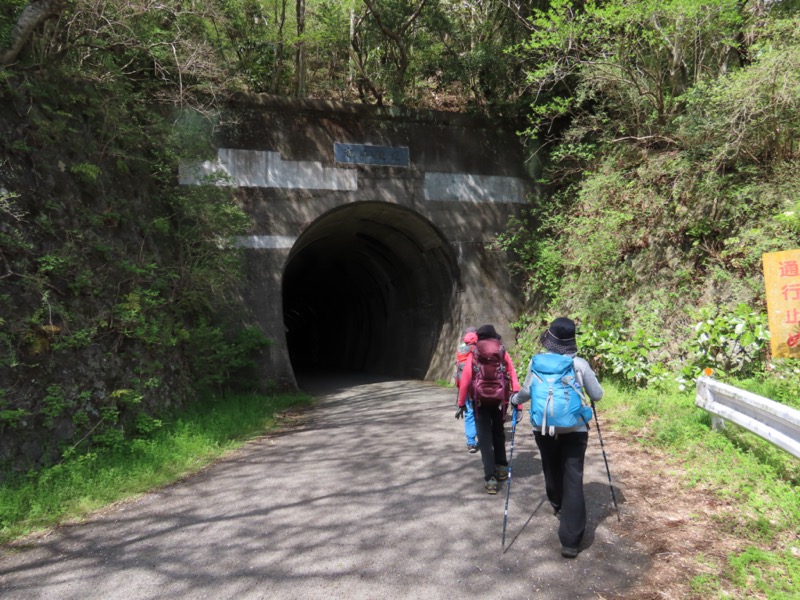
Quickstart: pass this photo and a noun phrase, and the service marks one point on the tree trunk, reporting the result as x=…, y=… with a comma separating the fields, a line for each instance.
x=300, y=90
x=36, y=13
x=280, y=51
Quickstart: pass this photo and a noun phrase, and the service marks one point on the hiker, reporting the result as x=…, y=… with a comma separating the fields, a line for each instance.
x=467, y=413
x=489, y=379
x=558, y=374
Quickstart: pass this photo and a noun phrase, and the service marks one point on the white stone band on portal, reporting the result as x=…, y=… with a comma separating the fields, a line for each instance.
x=464, y=187
x=271, y=242
x=266, y=169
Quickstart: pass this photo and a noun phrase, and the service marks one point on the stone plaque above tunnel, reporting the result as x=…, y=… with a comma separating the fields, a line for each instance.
x=366, y=154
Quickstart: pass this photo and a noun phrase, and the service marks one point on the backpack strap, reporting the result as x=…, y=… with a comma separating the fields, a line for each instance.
x=548, y=405
x=581, y=391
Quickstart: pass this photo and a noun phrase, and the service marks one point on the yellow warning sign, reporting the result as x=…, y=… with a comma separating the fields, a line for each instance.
x=782, y=280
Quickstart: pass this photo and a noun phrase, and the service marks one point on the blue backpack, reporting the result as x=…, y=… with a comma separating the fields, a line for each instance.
x=556, y=399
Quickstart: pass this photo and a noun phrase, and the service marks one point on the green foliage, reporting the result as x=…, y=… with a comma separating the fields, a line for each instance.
x=53, y=404
x=436, y=53
x=219, y=361
x=673, y=221
x=734, y=466
x=86, y=172
x=8, y=355
x=75, y=339
x=668, y=183
x=631, y=358
x=260, y=38
x=784, y=381
x=780, y=381
x=628, y=61
x=209, y=271
x=750, y=115
x=140, y=315
x=8, y=13
x=766, y=573
x=730, y=341
x=705, y=585
x=9, y=416
x=161, y=454
x=628, y=358
x=528, y=328
x=111, y=276
x=13, y=417
x=534, y=255
x=147, y=425
x=12, y=238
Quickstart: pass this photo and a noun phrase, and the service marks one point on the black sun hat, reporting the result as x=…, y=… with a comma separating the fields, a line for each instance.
x=487, y=332
x=560, y=336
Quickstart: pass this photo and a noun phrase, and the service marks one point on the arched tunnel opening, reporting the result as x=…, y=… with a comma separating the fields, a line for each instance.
x=367, y=289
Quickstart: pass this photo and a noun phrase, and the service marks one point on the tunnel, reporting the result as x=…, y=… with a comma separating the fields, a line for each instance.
x=366, y=289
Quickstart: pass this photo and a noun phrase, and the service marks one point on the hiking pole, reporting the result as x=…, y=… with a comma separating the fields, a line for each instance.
x=508, y=483
x=603, y=448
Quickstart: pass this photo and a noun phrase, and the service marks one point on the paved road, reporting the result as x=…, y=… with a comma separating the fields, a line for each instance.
x=375, y=497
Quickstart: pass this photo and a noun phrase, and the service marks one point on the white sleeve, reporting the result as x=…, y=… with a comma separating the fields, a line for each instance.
x=588, y=379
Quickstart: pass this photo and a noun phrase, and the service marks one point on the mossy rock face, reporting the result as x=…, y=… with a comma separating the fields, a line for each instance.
x=90, y=271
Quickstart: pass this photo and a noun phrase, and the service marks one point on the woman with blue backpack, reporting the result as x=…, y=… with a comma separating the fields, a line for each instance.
x=555, y=384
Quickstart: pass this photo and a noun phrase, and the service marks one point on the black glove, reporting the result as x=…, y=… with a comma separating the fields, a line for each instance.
x=515, y=399
x=460, y=412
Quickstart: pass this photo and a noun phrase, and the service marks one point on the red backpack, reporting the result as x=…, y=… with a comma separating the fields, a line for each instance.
x=489, y=374
x=463, y=352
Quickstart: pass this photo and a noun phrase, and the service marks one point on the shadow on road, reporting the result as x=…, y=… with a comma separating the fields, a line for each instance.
x=374, y=496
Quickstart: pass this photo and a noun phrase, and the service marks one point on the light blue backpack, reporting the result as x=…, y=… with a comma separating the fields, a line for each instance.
x=556, y=394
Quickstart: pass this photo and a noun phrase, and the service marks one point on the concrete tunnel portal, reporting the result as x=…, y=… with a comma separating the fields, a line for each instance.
x=367, y=288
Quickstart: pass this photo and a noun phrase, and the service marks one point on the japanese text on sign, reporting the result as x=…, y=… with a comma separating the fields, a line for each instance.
x=782, y=280
x=364, y=154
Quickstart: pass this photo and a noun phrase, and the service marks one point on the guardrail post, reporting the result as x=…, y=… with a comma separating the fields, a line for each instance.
x=717, y=422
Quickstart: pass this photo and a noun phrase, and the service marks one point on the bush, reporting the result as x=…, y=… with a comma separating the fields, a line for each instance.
x=730, y=341
x=219, y=361
x=631, y=358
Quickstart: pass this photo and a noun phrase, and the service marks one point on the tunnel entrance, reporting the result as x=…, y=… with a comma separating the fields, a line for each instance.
x=367, y=288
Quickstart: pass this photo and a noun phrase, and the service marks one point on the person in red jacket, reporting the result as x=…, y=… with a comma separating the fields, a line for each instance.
x=490, y=416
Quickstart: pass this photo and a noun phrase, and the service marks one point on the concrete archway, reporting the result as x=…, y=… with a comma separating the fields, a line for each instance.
x=367, y=288
x=373, y=231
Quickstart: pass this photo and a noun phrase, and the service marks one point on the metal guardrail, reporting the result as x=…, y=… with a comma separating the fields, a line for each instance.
x=773, y=421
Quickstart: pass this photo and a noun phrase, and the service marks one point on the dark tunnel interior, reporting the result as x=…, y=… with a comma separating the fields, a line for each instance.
x=366, y=289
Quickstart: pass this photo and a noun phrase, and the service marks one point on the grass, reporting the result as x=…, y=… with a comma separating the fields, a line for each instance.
x=83, y=483
x=738, y=466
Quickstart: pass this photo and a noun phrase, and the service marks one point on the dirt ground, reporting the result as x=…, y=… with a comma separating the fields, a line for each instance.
x=676, y=525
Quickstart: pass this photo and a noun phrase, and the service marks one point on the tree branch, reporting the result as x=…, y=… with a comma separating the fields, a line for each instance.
x=645, y=138
x=516, y=10
x=33, y=15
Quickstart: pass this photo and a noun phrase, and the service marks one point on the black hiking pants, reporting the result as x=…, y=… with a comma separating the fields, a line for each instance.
x=562, y=463
x=491, y=439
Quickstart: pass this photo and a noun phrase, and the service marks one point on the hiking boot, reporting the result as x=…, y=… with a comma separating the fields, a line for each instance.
x=567, y=552
x=491, y=486
x=472, y=448
x=501, y=472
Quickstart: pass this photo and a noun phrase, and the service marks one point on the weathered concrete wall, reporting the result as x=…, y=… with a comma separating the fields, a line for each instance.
x=296, y=163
